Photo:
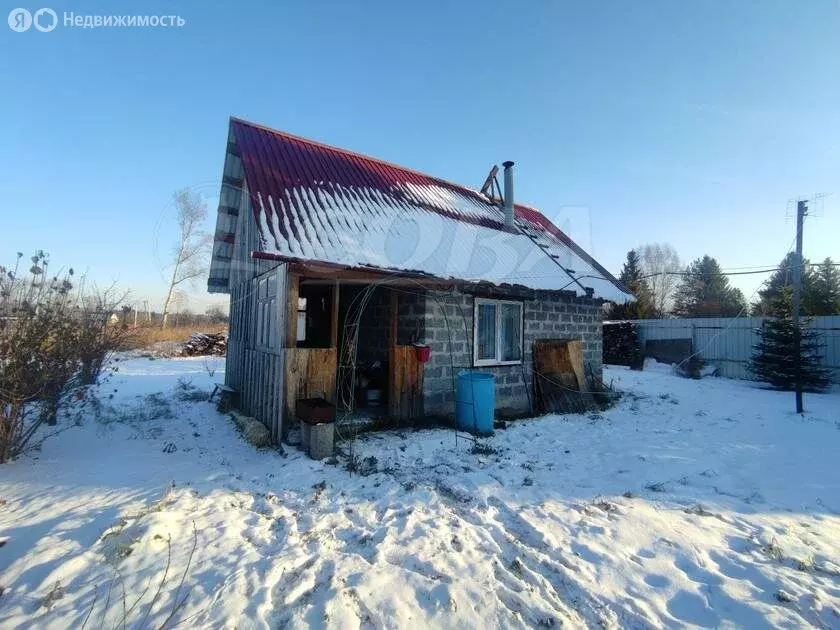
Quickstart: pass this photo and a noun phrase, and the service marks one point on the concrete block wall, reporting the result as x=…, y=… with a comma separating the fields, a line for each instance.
x=411, y=317
x=549, y=316
x=375, y=328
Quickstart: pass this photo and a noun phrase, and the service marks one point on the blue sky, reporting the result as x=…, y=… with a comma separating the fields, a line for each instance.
x=690, y=123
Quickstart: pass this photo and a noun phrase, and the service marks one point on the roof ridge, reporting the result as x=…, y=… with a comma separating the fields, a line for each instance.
x=363, y=156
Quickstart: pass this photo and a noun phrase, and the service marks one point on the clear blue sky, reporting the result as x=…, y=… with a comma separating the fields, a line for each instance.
x=692, y=123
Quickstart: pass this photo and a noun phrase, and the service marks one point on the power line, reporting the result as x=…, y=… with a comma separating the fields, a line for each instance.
x=734, y=319
x=743, y=273
x=689, y=273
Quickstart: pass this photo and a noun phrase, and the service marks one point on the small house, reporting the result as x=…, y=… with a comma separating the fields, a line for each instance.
x=372, y=285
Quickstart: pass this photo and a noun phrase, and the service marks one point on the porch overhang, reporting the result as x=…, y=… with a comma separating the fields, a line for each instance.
x=397, y=277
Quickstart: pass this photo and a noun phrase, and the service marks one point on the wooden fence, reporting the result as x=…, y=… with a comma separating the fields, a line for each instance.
x=729, y=342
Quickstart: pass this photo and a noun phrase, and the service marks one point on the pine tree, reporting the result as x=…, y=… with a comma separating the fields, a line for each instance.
x=705, y=292
x=825, y=299
x=631, y=277
x=774, y=357
x=779, y=288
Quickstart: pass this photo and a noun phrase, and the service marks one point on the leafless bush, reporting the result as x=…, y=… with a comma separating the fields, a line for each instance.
x=98, y=332
x=210, y=367
x=54, y=342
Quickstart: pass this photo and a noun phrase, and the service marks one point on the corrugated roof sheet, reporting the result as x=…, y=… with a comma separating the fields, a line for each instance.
x=320, y=203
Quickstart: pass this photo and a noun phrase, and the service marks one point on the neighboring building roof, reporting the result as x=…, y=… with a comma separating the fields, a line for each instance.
x=314, y=202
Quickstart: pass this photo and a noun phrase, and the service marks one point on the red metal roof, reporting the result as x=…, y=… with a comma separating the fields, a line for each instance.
x=317, y=202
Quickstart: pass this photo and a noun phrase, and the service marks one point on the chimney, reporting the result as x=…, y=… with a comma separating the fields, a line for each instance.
x=508, y=194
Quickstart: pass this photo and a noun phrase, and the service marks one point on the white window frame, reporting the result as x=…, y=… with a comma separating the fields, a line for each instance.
x=495, y=361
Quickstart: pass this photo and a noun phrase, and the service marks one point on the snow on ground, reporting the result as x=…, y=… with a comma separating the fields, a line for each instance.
x=691, y=503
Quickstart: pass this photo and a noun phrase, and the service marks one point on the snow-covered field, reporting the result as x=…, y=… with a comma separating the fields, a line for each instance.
x=705, y=503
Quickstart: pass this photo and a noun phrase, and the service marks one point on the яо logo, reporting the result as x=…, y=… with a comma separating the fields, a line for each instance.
x=44, y=20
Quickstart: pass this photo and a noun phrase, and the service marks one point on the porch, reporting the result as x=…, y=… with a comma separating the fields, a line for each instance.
x=350, y=339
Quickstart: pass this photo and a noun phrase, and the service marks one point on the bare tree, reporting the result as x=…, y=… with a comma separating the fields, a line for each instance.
x=217, y=313
x=193, y=244
x=660, y=265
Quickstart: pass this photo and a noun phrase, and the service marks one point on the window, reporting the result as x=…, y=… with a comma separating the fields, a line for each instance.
x=497, y=332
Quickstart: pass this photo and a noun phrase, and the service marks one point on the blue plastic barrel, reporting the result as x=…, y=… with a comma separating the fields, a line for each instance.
x=475, y=402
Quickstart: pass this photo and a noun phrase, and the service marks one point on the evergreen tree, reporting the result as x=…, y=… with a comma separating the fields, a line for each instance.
x=705, y=292
x=774, y=357
x=779, y=289
x=825, y=298
x=631, y=277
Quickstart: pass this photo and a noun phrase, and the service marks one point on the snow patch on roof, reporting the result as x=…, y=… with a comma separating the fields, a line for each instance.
x=387, y=234
x=318, y=203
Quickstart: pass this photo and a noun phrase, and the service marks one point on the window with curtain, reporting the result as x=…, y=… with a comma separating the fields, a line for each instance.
x=497, y=332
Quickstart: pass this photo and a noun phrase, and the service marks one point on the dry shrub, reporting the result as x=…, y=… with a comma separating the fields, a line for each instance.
x=54, y=343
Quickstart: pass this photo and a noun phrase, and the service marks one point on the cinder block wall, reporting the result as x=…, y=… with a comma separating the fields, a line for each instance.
x=411, y=317
x=550, y=316
x=374, y=325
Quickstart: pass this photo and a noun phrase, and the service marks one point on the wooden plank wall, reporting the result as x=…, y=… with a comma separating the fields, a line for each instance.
x=562, y=356
x=405, y=394
x=256, y=371
x=559, y=380
x=310, y=373
x=262, y=395
x=291, y=306
x=237, y=338
x=405, y=398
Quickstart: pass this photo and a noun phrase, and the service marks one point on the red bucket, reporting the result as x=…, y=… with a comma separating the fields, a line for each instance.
x=422, y=352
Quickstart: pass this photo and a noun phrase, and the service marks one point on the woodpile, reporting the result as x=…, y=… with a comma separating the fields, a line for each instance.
x=621, y=345
x=202, y=344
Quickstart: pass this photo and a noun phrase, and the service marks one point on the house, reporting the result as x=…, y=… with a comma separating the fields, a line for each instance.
x=338, y=264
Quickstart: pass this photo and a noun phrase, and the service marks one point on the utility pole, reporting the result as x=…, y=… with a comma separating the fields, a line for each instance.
x=801, y=211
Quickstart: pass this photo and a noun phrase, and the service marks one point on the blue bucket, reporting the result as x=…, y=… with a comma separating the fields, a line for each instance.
x=475, y=402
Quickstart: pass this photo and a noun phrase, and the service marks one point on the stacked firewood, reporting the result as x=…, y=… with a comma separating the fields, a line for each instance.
x=200, y=344
x=621, y=346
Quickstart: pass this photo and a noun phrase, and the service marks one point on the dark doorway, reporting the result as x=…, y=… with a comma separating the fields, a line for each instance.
x=314, y=313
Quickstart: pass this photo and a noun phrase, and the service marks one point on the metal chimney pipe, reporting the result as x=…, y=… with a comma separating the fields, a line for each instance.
x=508, y=194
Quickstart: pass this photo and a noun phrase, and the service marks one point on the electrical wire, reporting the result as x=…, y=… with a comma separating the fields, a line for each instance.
x=754, y=271
x=734, y=319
